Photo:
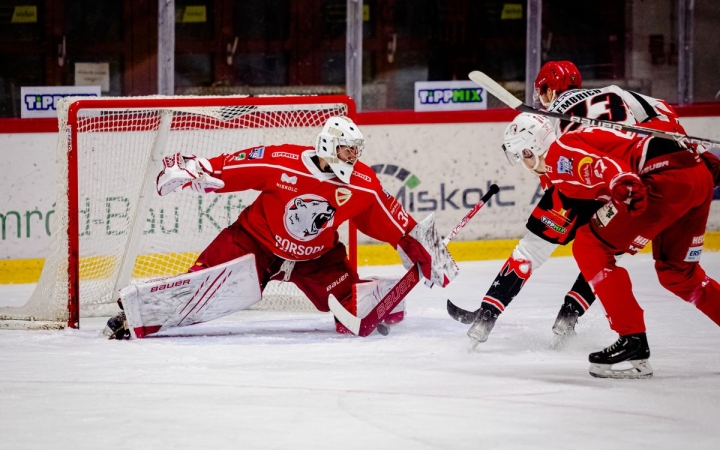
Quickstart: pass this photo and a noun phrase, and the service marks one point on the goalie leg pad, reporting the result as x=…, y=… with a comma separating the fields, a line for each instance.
x=367, y=295
x=191, y=298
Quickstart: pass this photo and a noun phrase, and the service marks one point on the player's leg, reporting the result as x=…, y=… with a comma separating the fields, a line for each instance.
x=576, y=303
x=613, y=287
x=544, y=234
x=231, y=243
x=191, y=298
x=615, y=231
x=580, y=296
x=552, y=223
x=611, y=282
x=677, y=252
x=531, y=252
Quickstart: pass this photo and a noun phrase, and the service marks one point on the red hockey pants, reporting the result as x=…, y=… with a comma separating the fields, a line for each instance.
x=317, y=278
x=675, y=220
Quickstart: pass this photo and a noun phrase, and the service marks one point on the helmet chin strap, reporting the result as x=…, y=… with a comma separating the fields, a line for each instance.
x=550, y=100
x=533, y=169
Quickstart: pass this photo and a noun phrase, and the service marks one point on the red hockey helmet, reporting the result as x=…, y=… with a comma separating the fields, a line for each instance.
x=558, y=76
x=573, y=79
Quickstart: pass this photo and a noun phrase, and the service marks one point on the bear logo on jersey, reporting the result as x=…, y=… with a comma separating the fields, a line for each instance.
x=307, y=216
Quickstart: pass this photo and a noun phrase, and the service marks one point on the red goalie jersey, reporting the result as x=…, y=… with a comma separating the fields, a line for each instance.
x=300, y=208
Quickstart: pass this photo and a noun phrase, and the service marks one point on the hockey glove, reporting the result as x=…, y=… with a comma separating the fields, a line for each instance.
x=423, y=246
x=713, y=164
x=189, y=172
x=629, y=193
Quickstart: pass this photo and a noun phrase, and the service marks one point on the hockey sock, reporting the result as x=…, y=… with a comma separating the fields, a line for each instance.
x=507, y=284
x=580, y=296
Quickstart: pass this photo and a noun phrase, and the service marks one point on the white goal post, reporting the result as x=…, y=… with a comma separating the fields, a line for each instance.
x=111, y=228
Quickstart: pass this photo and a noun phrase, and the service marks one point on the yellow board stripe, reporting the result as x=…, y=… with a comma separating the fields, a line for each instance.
x=19, y=271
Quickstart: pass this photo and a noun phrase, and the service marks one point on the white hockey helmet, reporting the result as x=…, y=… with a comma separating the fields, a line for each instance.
x=339, y=131
x=529, y=132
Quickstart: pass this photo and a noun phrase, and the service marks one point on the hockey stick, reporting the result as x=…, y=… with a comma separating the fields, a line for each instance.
x=366, y=325
x=506, y=97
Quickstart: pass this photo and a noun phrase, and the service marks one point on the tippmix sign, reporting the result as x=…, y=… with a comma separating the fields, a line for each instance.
x=449, y=96
x=41, y=101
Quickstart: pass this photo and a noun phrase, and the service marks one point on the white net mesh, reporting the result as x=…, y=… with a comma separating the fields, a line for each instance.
x=127, y=232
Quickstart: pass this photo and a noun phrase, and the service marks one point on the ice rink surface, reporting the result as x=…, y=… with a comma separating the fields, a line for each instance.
x=260, y=380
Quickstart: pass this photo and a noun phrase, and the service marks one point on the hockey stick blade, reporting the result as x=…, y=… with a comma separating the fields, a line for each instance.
x=460, y=314
x=510, y=100
x=495, y=89
x=364, y=326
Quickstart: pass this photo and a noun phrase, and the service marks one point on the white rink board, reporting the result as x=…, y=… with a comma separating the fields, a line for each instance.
x=452, y=164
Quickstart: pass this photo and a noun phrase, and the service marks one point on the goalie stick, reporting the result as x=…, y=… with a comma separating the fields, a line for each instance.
x=366, y=325
x=506, y=97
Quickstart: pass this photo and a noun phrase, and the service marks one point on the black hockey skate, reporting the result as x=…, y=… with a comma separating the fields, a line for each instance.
x=632, y=348
x=462, y=315
x=566, y=320
x=482, y=326
x=117, y=327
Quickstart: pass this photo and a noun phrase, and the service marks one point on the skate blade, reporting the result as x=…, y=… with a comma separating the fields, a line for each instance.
x=640, y=369
x=558, y=342
x=473, y=345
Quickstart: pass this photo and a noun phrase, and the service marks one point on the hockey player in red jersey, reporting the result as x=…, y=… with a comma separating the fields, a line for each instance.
x=553, y=222
x=306, y=193
x=555, y=219
x=657, y=190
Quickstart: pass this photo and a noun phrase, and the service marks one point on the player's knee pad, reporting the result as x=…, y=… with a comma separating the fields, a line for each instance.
x=534, y=249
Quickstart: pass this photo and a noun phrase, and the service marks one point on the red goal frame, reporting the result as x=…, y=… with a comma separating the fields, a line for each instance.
x=73, y=231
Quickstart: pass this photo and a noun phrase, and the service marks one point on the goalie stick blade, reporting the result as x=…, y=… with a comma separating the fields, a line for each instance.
x=345, y=317
x=461, y=315
x=495, y=89
x=365, y=326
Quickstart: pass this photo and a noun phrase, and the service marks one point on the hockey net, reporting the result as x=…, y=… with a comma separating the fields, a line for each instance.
x=111, y=228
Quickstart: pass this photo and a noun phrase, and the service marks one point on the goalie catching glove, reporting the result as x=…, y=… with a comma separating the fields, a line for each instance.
x=423, y=246
x=189, y=172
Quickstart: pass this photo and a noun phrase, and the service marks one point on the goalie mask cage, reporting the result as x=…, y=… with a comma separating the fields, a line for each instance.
x=111, y=227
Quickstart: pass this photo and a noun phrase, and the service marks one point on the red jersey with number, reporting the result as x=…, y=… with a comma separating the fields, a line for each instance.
x=614, y=104
x=583, y=163
x=300, y=208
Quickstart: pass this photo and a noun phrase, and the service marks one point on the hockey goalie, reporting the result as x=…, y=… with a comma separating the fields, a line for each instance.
x=288, y=234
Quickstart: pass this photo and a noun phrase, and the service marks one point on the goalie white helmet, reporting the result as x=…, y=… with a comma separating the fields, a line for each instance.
x=340, y=133
x=528, y=135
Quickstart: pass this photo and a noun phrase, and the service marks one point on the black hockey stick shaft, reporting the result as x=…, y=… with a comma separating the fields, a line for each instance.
x=506, y=97
x=366, y=325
